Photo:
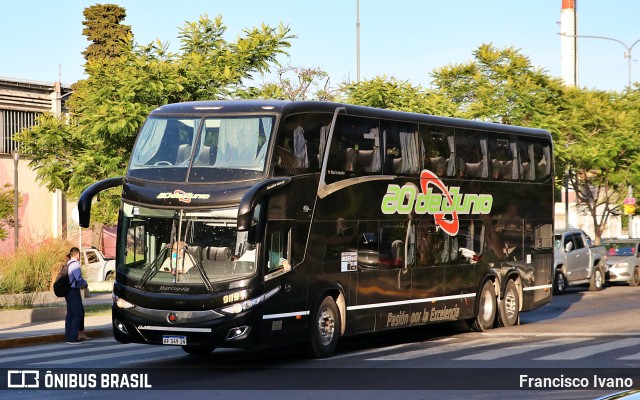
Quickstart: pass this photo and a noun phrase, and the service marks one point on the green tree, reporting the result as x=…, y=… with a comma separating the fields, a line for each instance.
x=393, y=94
x=108, y=108
x=503, y=86
x=103, y=28
x=296, y=83
x=602, y=148
x=594, y=132
x=6, y=210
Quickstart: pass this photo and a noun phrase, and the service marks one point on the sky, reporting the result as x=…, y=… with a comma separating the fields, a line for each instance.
x=407, y=39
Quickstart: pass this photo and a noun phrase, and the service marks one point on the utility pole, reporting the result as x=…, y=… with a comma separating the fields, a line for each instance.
x=358, y=41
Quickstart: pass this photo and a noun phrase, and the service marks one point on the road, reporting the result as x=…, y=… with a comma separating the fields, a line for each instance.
x=580, y=334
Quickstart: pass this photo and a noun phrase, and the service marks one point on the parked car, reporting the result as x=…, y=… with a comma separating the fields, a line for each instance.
x=95, y=266
x=577, y=261
x=623, y=260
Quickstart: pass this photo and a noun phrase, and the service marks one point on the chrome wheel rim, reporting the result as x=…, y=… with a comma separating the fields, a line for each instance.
x=326, y=326
x=510, y=304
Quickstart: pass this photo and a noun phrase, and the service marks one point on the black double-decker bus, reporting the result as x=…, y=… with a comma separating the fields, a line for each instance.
x=257, y=222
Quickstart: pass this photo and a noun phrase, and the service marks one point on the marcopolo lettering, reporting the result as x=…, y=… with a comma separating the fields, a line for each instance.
x=182, y=196
x=440, y=203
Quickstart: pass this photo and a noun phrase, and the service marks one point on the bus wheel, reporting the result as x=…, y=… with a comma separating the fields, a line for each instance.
x=486, y=308
x=509, y=309
x=559, y=284
x=597, y=279
x=198, y=350
x=325, y=329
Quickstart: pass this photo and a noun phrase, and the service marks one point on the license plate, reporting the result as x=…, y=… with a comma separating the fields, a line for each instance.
x=175, y=340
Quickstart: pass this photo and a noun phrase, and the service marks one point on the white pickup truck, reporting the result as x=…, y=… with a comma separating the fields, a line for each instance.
x=95, y=266
x=577, y=262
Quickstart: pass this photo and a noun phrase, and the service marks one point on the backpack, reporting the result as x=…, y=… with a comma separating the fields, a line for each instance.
x=62, y=285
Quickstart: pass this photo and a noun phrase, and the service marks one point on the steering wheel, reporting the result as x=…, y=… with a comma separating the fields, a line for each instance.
x=163, y=163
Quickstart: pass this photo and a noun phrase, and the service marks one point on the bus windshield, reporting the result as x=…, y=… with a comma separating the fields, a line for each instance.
x=167, y=146
x=183, y=247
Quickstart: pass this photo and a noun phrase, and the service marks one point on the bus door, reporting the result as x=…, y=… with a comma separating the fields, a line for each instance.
x=284, y=312
x=385, y=254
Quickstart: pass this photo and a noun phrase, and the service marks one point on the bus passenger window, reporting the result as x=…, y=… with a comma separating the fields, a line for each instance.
x=542, y=160
x=277, y=252
x=354, y=149
x=504, y=157
x=470, y=241
x=402, y=148
x=439, y=149
x=391, y=247
x=299, y=144
x=433, y=245
x=527, y=160
x=472, y=159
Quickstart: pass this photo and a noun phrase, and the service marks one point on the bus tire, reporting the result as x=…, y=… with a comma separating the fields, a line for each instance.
x=559, y=283
x=509, y=308
x=198, y=350
x=325, y=329
x=597, y=279
x=486, y=308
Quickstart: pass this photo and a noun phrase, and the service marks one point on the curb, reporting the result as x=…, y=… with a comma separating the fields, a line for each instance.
x=48, y=339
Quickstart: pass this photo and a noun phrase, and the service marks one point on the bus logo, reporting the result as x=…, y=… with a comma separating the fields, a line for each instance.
x=182, y=196
x=444, y=202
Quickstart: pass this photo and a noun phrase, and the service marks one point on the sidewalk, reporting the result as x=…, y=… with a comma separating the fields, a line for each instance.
x=52, y=330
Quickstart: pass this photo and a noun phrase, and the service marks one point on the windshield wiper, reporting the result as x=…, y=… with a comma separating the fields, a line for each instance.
x=200, y=268
x=153, y=269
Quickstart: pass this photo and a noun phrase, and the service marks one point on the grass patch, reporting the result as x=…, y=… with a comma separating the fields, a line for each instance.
x=32, y=269
x=94, y=310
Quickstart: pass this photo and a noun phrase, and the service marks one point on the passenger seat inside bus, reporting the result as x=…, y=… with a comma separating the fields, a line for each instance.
x=184, y=153
x=365, y=160
x=204, y=158
x=216, y=253
x=438, y=165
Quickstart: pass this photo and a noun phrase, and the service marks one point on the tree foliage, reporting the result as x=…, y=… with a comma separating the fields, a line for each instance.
x=104, y=29
x=6, y=210
x=393, y=94
x=108, y=108
x=296, y=83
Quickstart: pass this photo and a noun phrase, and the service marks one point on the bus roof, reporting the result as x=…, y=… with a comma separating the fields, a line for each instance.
x=285, y=108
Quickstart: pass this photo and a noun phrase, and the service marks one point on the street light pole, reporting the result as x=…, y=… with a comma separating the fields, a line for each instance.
x=627, y=54
x=358, y=41
x=16, y=228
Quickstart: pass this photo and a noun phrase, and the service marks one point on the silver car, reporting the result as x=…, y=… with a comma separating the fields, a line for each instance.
x=623, y=260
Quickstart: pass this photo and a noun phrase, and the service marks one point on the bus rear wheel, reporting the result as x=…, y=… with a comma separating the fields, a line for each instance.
x=486, y=308
x=198, y=350
x=325, y=329
x=509, y=309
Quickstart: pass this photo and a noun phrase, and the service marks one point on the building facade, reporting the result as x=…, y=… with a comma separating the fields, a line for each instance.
x=42, y=214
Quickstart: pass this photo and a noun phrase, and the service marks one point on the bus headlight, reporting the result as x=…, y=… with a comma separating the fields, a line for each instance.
x=121, y=303
x=237, y=308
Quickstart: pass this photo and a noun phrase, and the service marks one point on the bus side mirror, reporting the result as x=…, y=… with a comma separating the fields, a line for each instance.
x=84, y=203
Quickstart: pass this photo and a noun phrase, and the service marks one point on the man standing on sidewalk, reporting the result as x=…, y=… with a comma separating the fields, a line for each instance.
x=74, y=323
